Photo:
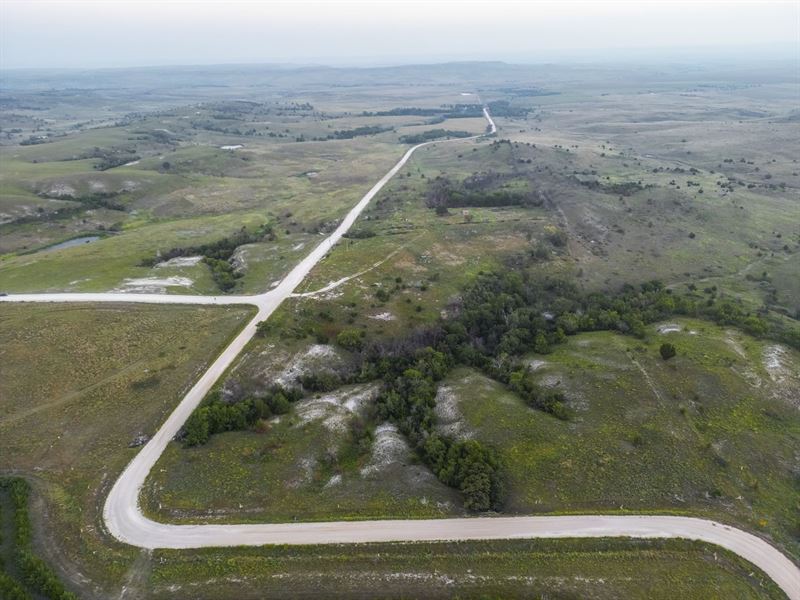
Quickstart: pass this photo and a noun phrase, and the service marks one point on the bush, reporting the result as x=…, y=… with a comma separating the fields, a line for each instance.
x=667, y=351
x=469, y=466
x=552, y=402
x=351, y=339
x=196, y=431
x=320, y=382
x=38, y=576
x=11, y=590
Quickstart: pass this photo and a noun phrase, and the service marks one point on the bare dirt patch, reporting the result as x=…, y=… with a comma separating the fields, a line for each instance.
x=180, y=261
x=153, y=285
x=389, y=447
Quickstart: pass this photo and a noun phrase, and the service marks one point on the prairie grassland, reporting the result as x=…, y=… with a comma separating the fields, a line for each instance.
x=79, y=383
x=710, y=432
x=180, y=173
x=601, y=569
x=300, y=468
x=415, y=263
x=617, y=159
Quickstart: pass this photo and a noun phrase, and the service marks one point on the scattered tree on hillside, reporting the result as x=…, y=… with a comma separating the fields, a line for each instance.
x=667, y=351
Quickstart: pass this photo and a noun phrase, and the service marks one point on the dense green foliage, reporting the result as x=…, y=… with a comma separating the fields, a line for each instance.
x=667, y=351
x=522, y=383
x=10, y=589
x=359, y=234
x=111, y=157
x=216, y=415
x=503, y=108
x=33, y=571
x=452, y=111
x=463, y=111
x=511, y=312
x=324, y=381
x=443, y=193
x=348, y=134
x=350, y=339
x=409, y=399
x=217, y=255
x=433, y=134
x=406, y=111
x=623, y=188
x=503, y=315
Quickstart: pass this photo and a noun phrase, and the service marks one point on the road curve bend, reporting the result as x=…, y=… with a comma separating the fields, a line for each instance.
x=126, y=522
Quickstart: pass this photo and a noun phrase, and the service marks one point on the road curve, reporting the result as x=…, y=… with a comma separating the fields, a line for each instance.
x=138, y=530
x=125, y=521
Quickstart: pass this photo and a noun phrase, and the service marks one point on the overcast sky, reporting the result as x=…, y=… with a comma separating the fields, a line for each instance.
x=121, y=33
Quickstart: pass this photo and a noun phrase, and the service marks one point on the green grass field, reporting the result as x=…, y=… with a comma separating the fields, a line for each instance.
x=78, y=440
x=77, y=384
x=711, y=432
x=616, y=163
x=562, y=569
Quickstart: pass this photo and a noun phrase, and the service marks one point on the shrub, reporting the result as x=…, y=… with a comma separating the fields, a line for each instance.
x=196, y=431
x=320, y=382
x=667, y=351
x=11, y=590
x=351, y=339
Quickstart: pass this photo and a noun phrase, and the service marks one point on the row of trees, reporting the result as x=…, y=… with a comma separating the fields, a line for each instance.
x=348, y=134
x=433, y=134
x=448, y=111
x=34, y=572
x=443, y=194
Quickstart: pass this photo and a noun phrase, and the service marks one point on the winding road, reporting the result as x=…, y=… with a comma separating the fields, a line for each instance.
x=126, y=522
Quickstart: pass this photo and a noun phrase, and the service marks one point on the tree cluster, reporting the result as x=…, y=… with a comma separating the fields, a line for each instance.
x=501, y=316
x=442, y=193
x=408, y=400
x=348, y=134
x=217, y=416
x=407, y=111
x=503, y=108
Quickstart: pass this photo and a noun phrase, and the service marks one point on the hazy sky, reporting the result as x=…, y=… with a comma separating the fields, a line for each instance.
x=117, y=33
